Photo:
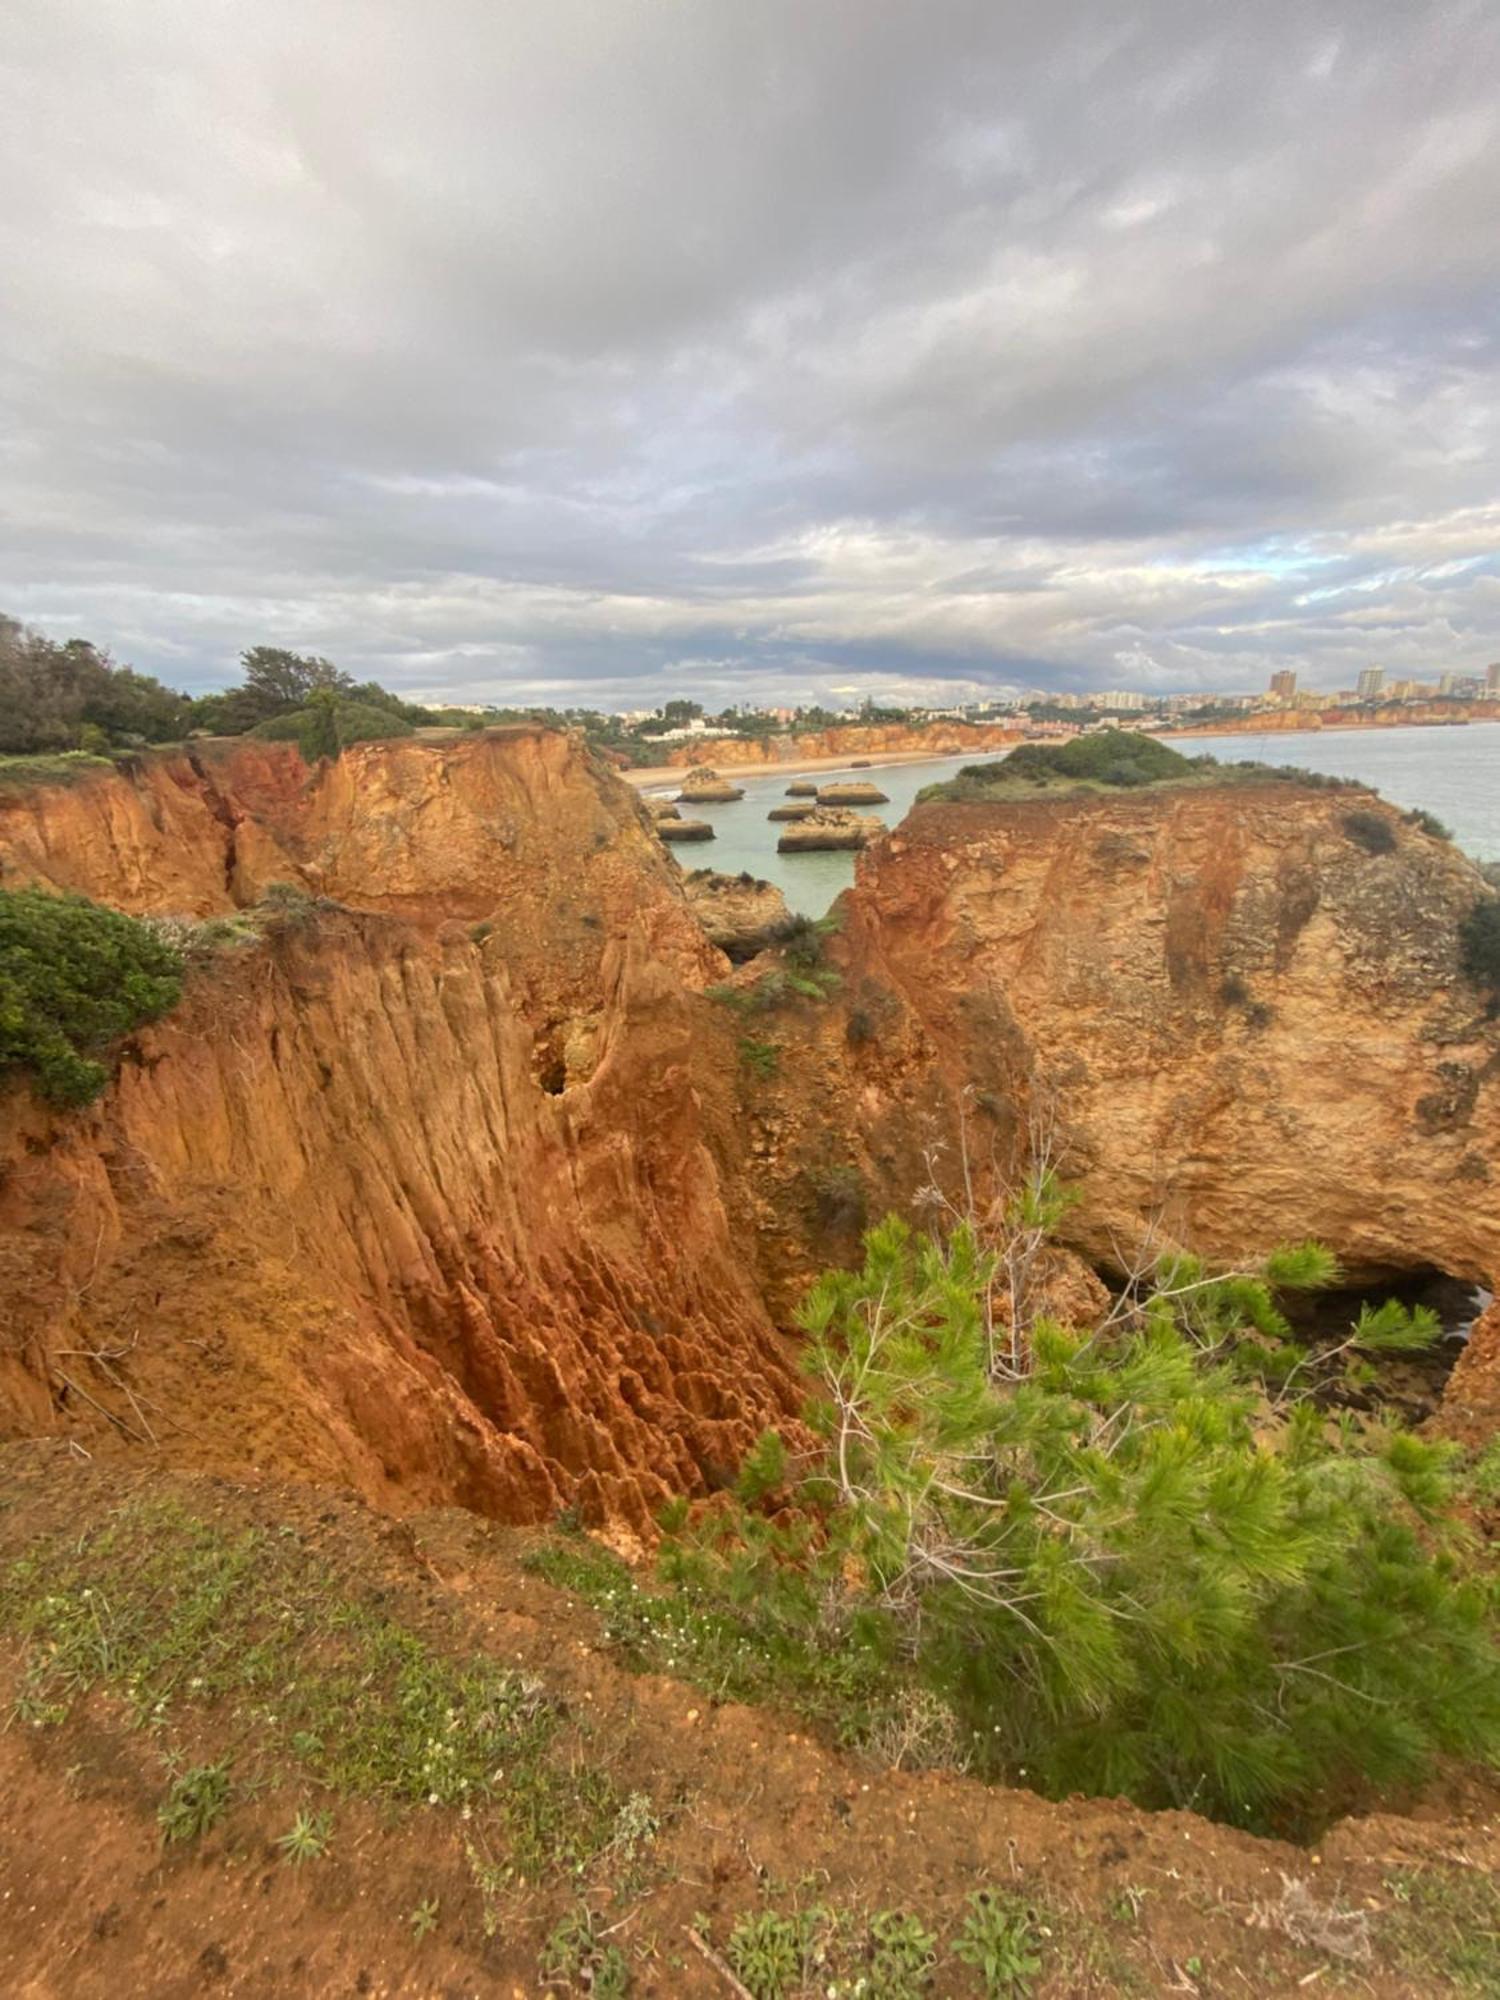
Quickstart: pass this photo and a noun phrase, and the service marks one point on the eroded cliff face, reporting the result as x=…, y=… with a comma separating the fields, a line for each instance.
x=1239, y=1026
x=453, y=1185
x=421, y=1193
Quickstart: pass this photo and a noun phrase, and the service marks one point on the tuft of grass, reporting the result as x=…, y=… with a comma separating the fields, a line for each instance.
x=197, y=1801
x=762, y=1059
x=575, y=1954
x=306, y=1839
x=998, y=1938
x=766, y=1952
x=423, y=1919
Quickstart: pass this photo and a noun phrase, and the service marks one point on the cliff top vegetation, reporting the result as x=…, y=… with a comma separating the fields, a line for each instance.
x=1109, y=760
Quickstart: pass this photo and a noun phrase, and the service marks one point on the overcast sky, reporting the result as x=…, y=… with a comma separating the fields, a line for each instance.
x=606, y=350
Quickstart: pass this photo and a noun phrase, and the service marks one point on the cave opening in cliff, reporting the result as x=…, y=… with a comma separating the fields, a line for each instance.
x=1410, y=1385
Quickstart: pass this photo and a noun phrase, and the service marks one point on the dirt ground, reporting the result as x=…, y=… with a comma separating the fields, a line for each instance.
x=749, y=1816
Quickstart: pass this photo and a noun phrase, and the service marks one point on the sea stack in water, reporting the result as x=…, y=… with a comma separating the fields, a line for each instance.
x=704, y=787
x=684, y=829
x=661, y=809
x=803, y=788
x=798, y=809
x=860, y=793
x=829, y=827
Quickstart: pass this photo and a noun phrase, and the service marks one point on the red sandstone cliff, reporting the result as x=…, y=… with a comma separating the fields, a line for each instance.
x=1244, y=1027
x=453, y=1186
x=429, y=1207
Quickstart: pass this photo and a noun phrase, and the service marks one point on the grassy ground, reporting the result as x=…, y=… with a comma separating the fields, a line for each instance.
x=265, y=1741
x=61, y=767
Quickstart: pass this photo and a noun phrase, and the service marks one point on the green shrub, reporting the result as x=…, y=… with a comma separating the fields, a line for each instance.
x=762, y=1059
x=1371, y=831
x=1479, y=944
x=75, y=977
x=328, y=725
x=1120, y=1561
x=1109, y=757
x=1427, y=822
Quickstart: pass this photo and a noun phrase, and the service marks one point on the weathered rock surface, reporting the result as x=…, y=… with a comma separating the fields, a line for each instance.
x=432, y=1208
x=858, y=792
x=708, y=788
x=661, y=809
x=684, y=829
x=803, y=788
x=740, y=914
x=829, y=827
x=1471, y=1401
x=1244, y=1028
x=451, y=1190
x=797, y=809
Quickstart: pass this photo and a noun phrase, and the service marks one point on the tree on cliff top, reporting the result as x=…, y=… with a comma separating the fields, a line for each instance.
x=327, y=724
x=75, y=977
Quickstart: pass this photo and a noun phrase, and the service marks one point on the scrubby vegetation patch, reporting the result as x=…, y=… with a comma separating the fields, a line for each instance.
x=74, y=978
x=1153, y=1559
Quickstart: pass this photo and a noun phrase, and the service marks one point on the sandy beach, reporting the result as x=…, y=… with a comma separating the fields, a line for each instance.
x=794, y=767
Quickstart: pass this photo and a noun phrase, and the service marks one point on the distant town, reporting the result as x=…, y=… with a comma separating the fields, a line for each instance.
x=1036, y=711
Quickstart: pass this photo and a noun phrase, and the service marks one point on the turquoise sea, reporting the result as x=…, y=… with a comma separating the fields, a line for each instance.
x=1453, y=772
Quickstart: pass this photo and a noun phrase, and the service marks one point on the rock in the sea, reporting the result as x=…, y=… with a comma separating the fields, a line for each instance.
x=798, y=809
x=684, y=829
x=803, y=788
x=704, y=787
x=829, y=827
x=741, y=914
x=860, y=793
x=661, y=809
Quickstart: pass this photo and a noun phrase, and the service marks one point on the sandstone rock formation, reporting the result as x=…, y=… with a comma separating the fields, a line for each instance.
x=739, y=913
x=684, y=829
x=704, y=787
x=1243, y=1027
x=452, y=1187
x=661, y=809
x=424, y=1205
x=1471, y=1401
x=803, y=788
x=858, y=792
x=830, y=827
x=795, y=809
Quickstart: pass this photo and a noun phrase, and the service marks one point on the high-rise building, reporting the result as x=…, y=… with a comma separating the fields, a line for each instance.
x=1120, y=699
x=1284, y=684
x=1371, y=681
x=1492, y=678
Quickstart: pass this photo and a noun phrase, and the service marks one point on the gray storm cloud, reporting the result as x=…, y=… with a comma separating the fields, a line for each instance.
x=594, y=351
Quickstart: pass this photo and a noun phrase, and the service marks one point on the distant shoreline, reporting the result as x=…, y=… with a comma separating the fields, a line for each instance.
x=676, y=774
x=1329, y=728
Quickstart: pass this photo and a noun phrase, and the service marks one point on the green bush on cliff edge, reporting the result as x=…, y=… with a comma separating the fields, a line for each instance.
x=74, y=977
